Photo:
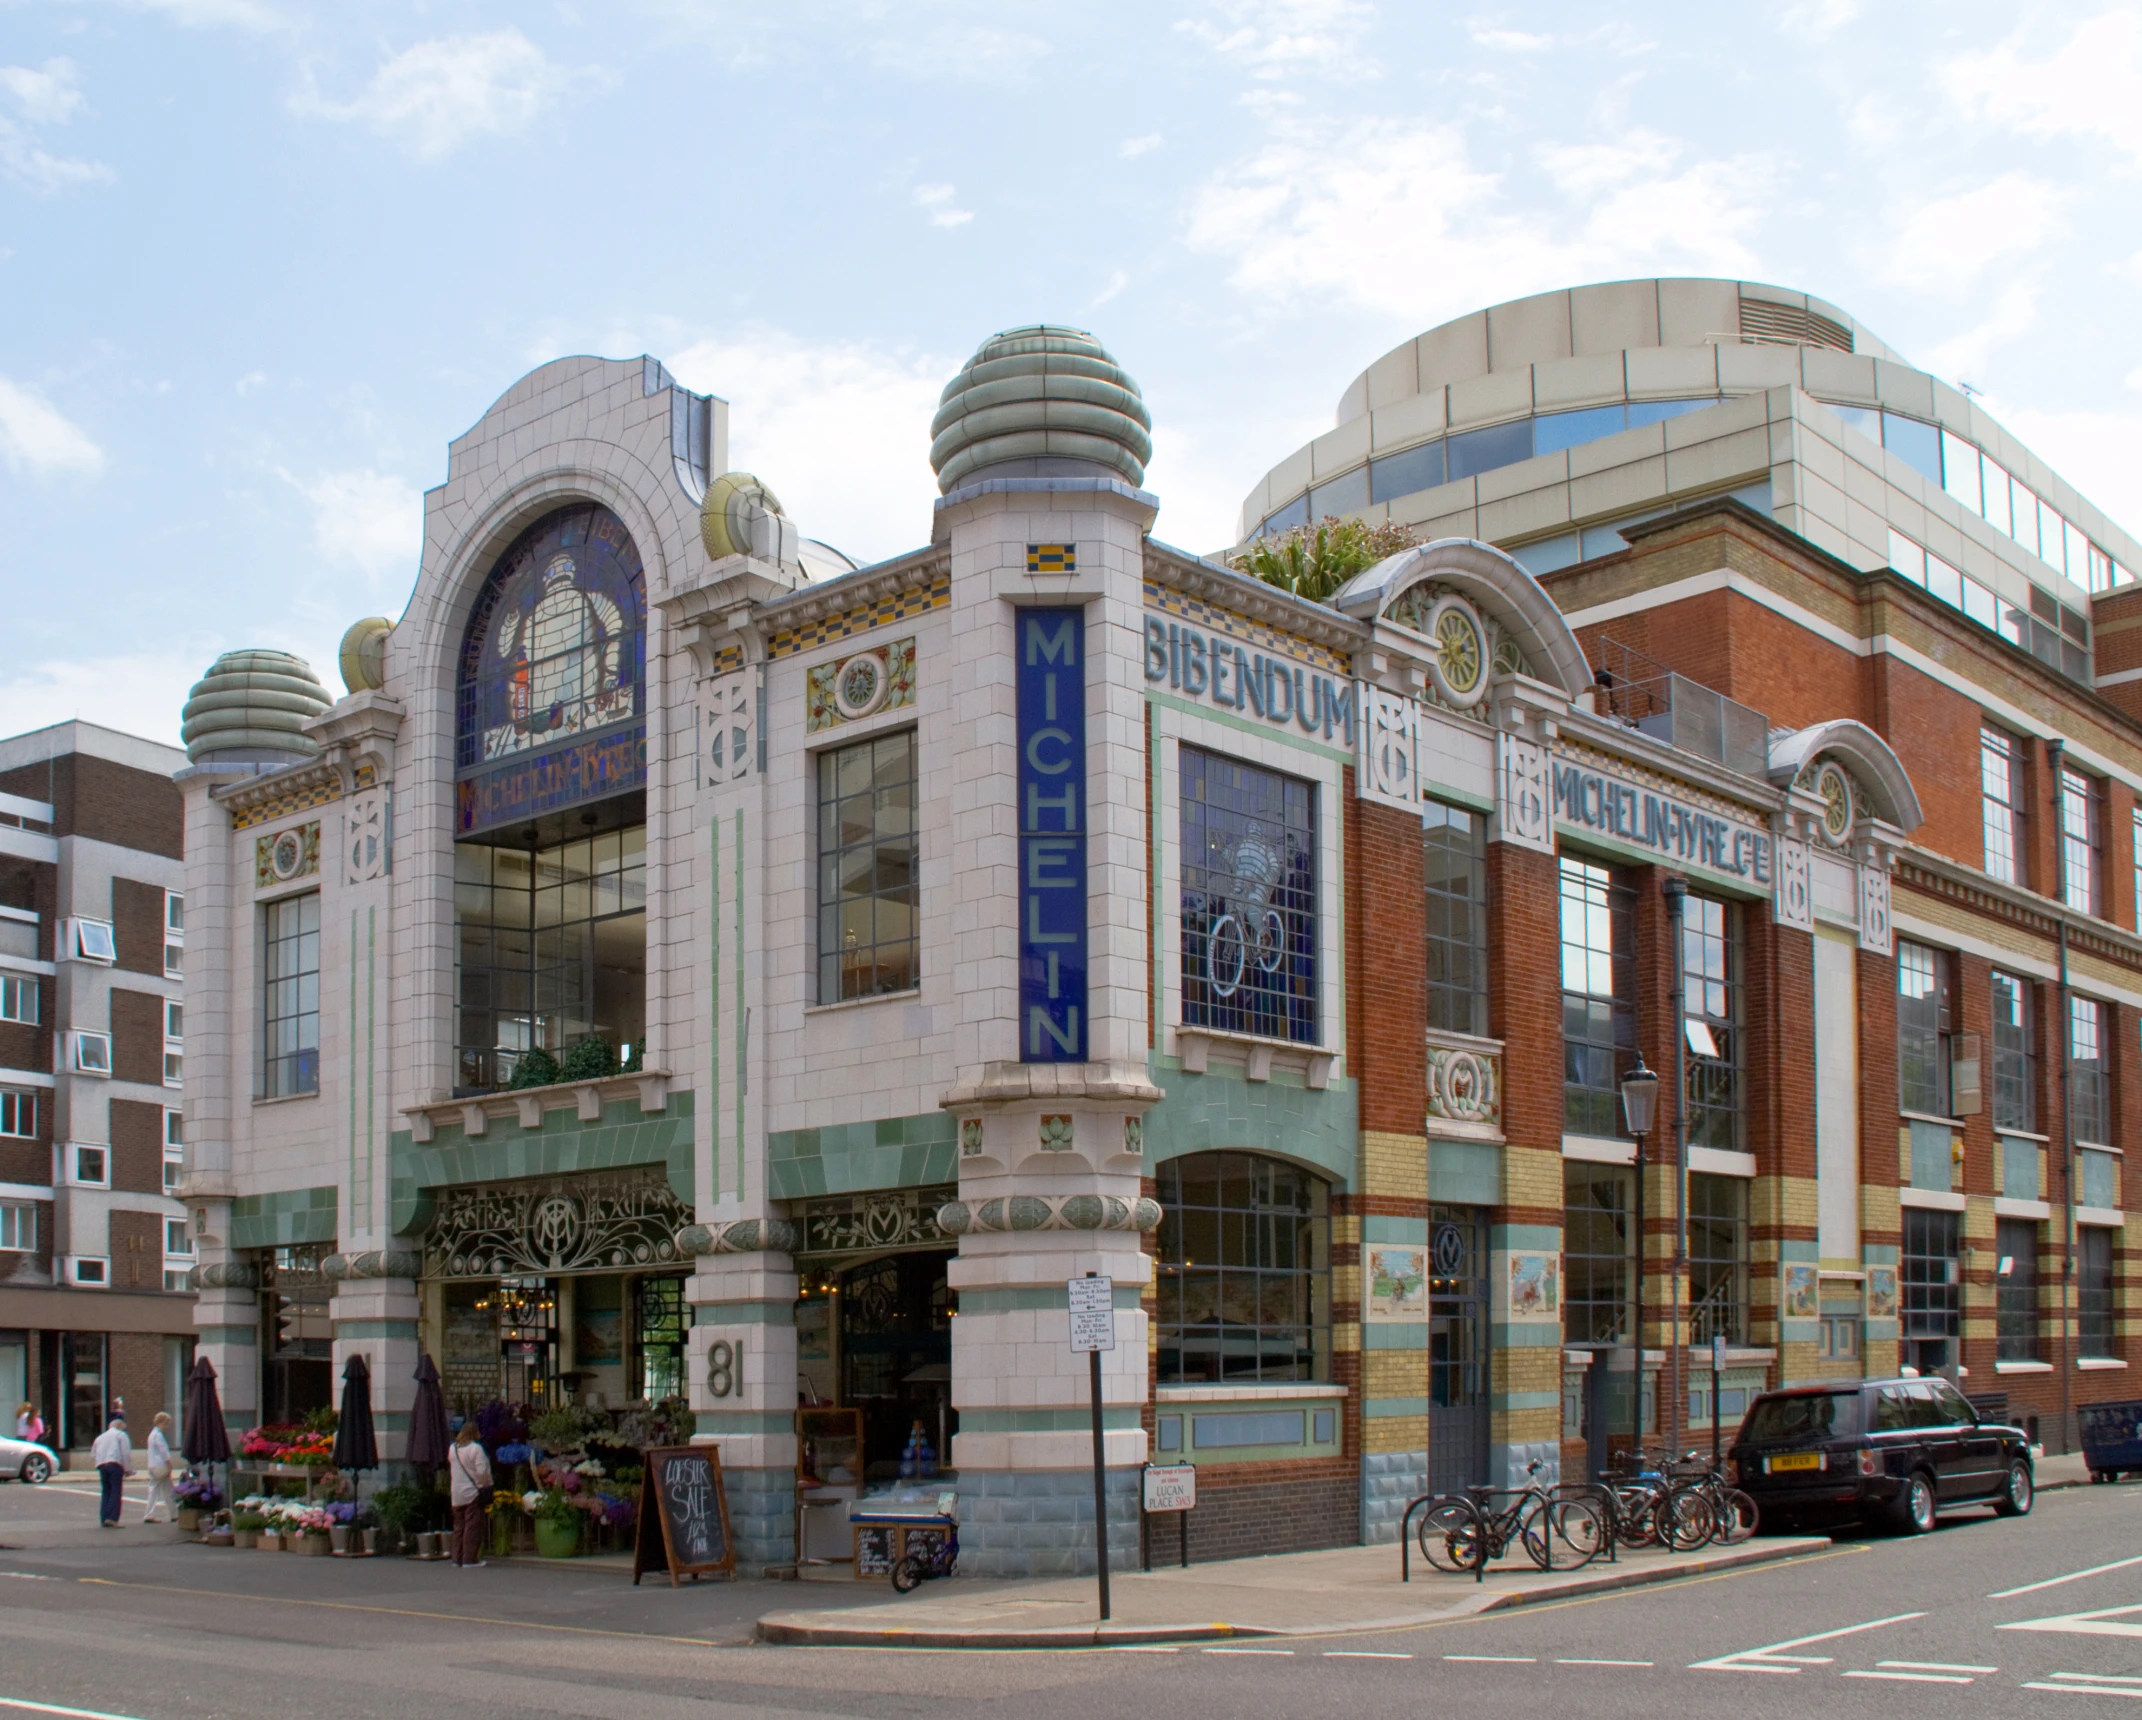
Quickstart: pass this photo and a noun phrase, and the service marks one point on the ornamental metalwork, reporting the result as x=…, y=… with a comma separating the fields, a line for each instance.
x=541, y=1225
x=873, y=1223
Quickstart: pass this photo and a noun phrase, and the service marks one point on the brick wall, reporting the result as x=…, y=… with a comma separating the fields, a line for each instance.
x=108, y=802
x=137, y=1147
x=137, y=1037
x=1387, y=991
x=138, y=925
x=137, y=1377
x=137, y=1251
x=1244, y=1509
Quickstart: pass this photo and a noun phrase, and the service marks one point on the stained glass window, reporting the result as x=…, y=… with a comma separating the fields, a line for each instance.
x=1249, y=899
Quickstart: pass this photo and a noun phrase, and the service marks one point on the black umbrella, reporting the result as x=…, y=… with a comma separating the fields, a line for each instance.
x=207, y=1440
x=427, y=1418
x=355, y=1445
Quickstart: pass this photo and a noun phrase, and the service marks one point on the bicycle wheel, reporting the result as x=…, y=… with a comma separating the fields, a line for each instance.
x=1738, y=1518
x=1636, y=1519
x=1562, y=1534
x=1686, y=1520
x=1450, y=1536
x=907, y=1575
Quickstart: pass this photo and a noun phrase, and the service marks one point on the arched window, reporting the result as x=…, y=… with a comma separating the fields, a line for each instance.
x=1244, y=1270
x=551, y=696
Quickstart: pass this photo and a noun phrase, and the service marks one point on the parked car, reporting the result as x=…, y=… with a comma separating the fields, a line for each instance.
x=26, y=1460
x=1894, y=1451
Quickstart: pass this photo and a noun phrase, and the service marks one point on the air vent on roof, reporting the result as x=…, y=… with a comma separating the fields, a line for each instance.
x=1788, y=325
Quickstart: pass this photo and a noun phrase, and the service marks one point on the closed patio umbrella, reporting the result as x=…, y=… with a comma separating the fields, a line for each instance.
x=356, y=1447
x=427, y=1418
x=207, y=1441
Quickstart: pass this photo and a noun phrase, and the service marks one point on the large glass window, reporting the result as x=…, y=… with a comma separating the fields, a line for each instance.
x=1598, y=1250
x=553, y=949
x=869, y=892
x=1455, y=841
x=1933, y=1291
x=1922, y=1029
x=296, y=1333
x=2089, y=1078
x=292, y=1064
x=1244, y=1268
x=2082, y=840
x=2016, y=1290
x=2015, y=1067
x=1598, y=996
x=2000, y=772
x=1249, y=899
x=2093, y=1291
x=1718, y=1257
x=1710, y=963
x=19, y=997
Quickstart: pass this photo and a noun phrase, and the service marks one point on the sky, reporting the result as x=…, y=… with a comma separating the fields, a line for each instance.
x=260, y=260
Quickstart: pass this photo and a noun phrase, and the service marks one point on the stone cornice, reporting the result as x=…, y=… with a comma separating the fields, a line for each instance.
x=1937, y=875
x=526, y=1105
x=1245, y=595
x=914, y=571
x=259, y=791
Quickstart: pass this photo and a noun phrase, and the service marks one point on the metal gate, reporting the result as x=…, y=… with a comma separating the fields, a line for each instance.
x=1458, y=1408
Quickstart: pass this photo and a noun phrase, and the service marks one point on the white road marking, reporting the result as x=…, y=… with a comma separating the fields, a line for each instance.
x=2071, y=1577
x=1363, y=1654
x=29, y=1576
x=1913, y=1677
x=2099, y=1677
x=73, y=1713
x=2089, y=1689
x=1772, y=1658
x=1933, y=1666
x=1143, y=1648
x=1249, y=1651
x=2105, y=1621
x=1500, y=1659
x=1602, y=1663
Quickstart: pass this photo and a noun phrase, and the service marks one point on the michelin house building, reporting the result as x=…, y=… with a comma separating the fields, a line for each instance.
x=1048, y=901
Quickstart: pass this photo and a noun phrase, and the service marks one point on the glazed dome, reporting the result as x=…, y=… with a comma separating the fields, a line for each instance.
x=251, y=708
x=1045, y=395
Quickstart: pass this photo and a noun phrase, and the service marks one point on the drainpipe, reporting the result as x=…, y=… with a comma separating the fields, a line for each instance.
x=1675, y=890
x=2064, y=1347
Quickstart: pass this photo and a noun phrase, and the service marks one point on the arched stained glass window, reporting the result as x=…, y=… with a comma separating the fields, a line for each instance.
x=551, y=696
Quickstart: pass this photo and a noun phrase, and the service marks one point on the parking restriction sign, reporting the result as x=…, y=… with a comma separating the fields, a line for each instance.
x=1093, y=1313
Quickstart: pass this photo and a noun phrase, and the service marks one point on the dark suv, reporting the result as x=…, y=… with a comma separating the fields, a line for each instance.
x=1879, y=1450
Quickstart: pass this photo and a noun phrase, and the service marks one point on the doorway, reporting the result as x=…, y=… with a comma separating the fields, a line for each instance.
x=1459, y=1410
x=896, y=1354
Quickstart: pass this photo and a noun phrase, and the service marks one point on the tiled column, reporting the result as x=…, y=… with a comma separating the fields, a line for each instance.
x=741, y=1368
x=374, y=1311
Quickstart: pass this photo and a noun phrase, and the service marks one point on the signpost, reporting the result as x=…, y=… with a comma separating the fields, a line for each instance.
x=1168, y=1487
x=1717, y=1365
x=1093, y=1329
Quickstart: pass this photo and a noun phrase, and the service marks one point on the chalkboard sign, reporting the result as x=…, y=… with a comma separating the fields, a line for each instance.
x=875, y=1549
x=684, y=1514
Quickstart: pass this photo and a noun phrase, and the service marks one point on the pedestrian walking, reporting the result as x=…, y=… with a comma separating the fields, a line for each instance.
x=113, y=1454
x=159, y=1471
x=470, y=1493
x=30, y=1425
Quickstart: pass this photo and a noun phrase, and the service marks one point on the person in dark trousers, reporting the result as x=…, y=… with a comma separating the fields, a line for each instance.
x=469, y=1493
x=113, y=1454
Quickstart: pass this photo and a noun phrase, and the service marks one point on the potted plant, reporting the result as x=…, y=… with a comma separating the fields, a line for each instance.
x=557, y=1522
x=193, y=1496
x=246, y=1525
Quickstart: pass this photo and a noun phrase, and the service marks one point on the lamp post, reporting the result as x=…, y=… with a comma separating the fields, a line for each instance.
x=1639, y=1106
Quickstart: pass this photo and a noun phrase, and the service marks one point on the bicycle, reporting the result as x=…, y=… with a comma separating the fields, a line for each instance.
x=911, y=1572
x=1465, y=1532
x=1728, y=1515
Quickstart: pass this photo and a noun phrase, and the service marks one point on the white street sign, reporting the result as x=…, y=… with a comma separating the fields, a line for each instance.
x=1093, y=1313
x=1170, y=1487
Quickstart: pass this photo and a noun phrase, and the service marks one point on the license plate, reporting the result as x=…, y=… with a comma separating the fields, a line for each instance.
x=1792, y=1460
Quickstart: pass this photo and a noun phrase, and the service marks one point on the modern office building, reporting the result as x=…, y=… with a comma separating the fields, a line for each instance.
x=94, y=1251
x=1047, y=901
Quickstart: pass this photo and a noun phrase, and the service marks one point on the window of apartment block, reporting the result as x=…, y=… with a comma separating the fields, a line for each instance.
x=174, y=934
x=291, y=1013
x=1718, y=1257
x=176, y=1241
x=2000, y=764
x=2016, y=1290
x=18, y=1112
x=1455, y=842
x=21, y=997
x=869, y=901
x=91, y=941
x=1598, y=996
x=1243, y=1269
x=2093, y=1291
x=89, y=1051
x=90, y=1167
x=174, y=1044
x=1597, y=1251
x=1932, y=1286
x=1710, y=982
x=2089, y=1071
x=1248, y=899
x=2015, y=1065
x=2082, y=841
x=18, y=1226
x=1923, y=1024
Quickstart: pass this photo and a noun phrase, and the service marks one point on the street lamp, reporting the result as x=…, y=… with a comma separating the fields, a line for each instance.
x=1639, y=1108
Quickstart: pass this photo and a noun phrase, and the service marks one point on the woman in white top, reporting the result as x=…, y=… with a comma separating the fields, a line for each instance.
x=159, y=1470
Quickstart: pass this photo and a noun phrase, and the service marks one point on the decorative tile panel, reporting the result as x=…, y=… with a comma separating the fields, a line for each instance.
x=286, y=856
x=283, y=805
x=872, y=1223
x=1051, y=558
x=368, y=838
x=1794, y=903
x=1218, y=620
x=1522, y=815
x=728, y=728
x=850, y=688
x=1875, y=933
x=1464, y=1083
x=916, y=600
x=1390, y=748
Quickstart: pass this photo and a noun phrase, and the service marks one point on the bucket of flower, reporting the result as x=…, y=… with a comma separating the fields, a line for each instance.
x=247, y=1522
x=196, y=1497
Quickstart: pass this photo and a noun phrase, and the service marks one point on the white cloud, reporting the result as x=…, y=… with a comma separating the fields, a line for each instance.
x=434, y=97
x=1117, y=281
x=138, y=693
x=2011, y=315
x=1820, y=19
x=2089, y=87
x=365, y=519
x=1946, y=245
x=841, y=430
x=33, y=434
x=1511, y=41
x=1133, y=147
x=1270, y=38
x=1394, y=216
x=1584, y=169
x=29, y=101
x=938, y=200
x=2100, y=453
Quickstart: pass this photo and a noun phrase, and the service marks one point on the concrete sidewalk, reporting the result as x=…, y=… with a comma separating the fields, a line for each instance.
x=1287, y=1594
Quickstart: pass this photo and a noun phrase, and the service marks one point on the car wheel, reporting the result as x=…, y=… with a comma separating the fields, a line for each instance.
x=1915, y=1505
x=36, y=1467
x=2015, y=1498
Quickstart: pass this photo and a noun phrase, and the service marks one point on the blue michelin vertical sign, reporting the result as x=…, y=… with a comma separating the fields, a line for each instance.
x=1052, y=835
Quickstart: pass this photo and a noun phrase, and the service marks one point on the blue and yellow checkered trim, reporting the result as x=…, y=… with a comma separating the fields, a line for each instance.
x=1052, y=558
x=917, y=601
